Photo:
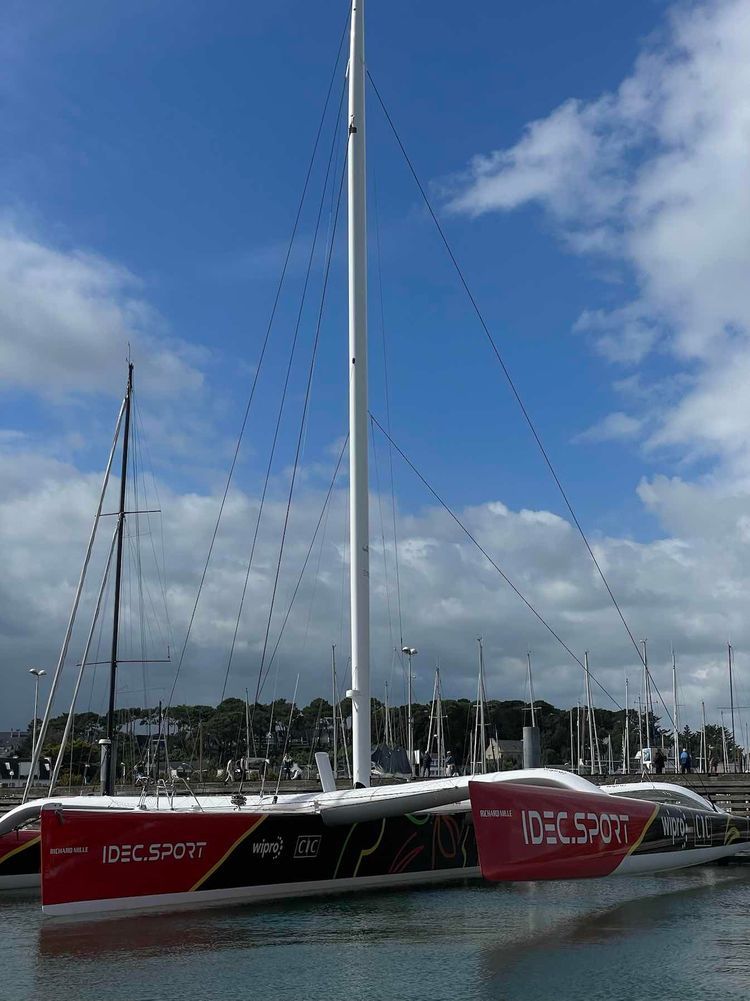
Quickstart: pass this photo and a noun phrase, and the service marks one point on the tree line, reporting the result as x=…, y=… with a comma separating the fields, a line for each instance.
x=233, y=729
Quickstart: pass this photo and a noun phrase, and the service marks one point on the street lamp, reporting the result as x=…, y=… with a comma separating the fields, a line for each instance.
x=410, y=652
x=37, y=675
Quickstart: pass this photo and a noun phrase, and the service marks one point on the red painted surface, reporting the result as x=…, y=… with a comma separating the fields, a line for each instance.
x=10, y=842
x=91, y=855
x=532, y=832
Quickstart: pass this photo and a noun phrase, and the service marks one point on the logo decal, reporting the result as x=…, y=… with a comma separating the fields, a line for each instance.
x=553, y=827
x=308, y=846
x=272, y=848
x=156, y=852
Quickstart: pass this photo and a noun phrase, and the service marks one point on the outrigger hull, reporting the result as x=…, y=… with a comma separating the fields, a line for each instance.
x=535, y=833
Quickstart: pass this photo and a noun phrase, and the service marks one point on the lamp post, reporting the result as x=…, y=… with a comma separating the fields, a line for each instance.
x=410, y=652
x=37, y=675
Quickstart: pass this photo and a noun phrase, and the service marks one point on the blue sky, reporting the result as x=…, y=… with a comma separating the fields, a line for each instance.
x=174, y=145
x=153, y=159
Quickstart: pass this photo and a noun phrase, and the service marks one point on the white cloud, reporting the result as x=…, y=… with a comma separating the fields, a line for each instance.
x=654, y=177
x=688, y=587
x=616, y=426
x=624, y=335
x=564, y=161
x=67, y=318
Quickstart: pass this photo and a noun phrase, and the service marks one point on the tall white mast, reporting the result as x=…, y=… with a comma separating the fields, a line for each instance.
x=358, y=481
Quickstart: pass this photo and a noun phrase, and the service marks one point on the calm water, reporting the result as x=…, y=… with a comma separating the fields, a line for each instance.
x=684, y=936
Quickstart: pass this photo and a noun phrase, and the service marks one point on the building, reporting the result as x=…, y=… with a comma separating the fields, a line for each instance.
x=10, y=741
x=504, y=754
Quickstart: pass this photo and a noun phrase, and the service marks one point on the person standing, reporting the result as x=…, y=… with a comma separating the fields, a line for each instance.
x=659, y=762
x=426, y=764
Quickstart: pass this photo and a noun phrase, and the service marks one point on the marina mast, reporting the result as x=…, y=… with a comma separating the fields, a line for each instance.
x=674, y=721
x=107, y=745
x=358, y=478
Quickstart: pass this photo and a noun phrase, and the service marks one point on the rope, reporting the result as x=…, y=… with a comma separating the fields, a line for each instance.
x=490, y=560
x=295, y=468
x=260, y=363
x=512, y=385
x=279, y=415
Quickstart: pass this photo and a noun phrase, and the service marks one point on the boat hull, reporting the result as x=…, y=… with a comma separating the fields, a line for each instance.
x=19, y=859
x=533, y=833
x=99, y=862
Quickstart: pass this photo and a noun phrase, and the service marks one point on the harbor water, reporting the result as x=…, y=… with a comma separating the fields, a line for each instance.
x=680, y=936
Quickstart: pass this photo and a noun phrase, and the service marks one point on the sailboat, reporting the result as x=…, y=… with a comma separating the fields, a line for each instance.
x=109, y=854
x=19, y=845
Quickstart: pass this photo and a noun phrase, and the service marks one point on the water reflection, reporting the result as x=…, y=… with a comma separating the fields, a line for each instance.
x=575, y=940
x=668, y=935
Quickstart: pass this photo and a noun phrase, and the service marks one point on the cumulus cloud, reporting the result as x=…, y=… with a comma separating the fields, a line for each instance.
x=688, y=587
x=653, y=177
x=67, y=318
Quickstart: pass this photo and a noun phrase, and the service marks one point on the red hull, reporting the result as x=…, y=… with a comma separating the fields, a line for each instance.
x=535, y=832
x=138, y=859
x=170, y=853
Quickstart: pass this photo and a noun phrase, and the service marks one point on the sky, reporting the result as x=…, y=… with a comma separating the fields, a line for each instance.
x=589, y=166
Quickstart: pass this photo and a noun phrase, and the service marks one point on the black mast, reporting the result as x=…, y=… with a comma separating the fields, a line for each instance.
x=108, y=769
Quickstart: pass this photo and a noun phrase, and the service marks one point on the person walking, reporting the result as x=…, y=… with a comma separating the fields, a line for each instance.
x=659, y=762
x=685, y=761
x=426, y=764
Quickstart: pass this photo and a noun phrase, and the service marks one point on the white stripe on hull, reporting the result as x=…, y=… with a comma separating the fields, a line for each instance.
x=662, y=861
x=247, y=894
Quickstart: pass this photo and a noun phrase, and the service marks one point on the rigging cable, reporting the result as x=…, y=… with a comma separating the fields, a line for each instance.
x=490, y=560
x=504, y=367
x=324, y=509
x=388, y=424
x=260, y=360
x=282, y=403
x=382, y=536
x=510, y=381
x=295, y=467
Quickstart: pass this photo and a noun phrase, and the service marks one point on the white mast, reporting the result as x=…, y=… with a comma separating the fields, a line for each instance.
x=479, y=744
x=440, y=735
x=359, y=499
x=626, y=746
x=435, y=728
x=388, y=738
x=592, y=729
x=531, y=688
x=676, y=725
x=704, y=741
x=39, y=742
x=334, y=704
x=731, y=707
